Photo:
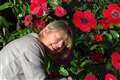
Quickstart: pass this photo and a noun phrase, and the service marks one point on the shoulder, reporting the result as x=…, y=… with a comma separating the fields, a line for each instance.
x=27, y=41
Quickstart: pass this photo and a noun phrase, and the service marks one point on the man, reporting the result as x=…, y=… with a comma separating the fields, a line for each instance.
x=23, y=58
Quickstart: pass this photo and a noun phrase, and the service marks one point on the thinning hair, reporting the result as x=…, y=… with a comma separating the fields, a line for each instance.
x=61, y=25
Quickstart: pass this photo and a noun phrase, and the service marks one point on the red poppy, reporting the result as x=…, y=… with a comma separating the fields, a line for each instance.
x=39, y=7
x=39, y=25
x=97, y=58
x=116, y=60
x=112, y=13
x=84, y=20
x=27, y=20
x=105, y=23
x=38, y=1
x=109, y=76
x=60, y=11
x=90, y=77
x=99, y=37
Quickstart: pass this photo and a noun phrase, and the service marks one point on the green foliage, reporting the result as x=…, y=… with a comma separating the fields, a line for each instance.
x=5, y=5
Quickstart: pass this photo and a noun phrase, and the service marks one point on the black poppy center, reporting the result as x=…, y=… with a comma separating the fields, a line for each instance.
x=84, y=20
x=40, y=25
x=115, y=14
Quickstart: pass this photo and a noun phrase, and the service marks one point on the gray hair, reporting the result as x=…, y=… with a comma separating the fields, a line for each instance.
x=62, y=25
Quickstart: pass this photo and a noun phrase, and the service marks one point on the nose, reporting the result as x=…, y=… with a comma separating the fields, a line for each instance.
x=61, y=44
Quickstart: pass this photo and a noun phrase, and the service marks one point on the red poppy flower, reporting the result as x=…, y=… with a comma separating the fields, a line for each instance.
x=109, y=76
x=84, y=20
x=27, y=20
x=116, y=60
x=60, y=11
x=39, y=7
x=112, y=13
x=97, y=58
x=38, y=1
x=99, y=37
x=105, y=23
x=90, y=77
x=39, y=25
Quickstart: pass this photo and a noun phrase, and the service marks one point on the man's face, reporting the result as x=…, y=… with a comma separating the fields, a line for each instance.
x=55, y=41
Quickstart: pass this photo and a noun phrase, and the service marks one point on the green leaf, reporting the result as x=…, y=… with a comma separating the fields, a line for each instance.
x=63, y=71
x=108, y=36
x=94, y=47
x=74, y=70
x=108, y=65
x=54, y=3
x=5, y=5
x=114, y=34
x=84, y=63
x=27, y=8
x=4, y=22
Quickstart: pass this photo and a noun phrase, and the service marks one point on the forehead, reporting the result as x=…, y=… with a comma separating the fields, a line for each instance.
x=59, y=34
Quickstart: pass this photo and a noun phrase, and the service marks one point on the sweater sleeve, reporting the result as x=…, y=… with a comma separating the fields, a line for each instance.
x=32, y=63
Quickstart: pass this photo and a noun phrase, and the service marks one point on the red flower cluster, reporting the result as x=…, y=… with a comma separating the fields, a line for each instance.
x=112, y=13
x=60, y=11
x=109, y=76
x=99, y=37
x=85, y=21
x=105, y=22
x=90, y=77
x=39, y=25
x=116, y=60
x=39, y=7
x=97, y=58
x=27, y=20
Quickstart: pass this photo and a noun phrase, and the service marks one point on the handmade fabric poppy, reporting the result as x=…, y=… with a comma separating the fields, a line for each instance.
x=27, y=20
x=97, y=58
x=99, y=37
x=110, y=76
x=60, y=11
x=90, y=77
x=116, y=60
x=112, y=13
x=38, y=7
x=39, y=25
x=105, y=22
x=85, y=21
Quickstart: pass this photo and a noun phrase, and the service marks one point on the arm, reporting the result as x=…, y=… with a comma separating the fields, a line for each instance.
x=32, y=65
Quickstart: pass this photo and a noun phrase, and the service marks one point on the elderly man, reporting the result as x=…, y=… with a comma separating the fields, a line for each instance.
x=24, y=58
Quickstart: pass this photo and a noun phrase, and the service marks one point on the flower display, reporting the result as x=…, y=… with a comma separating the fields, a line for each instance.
x=59, y=11
x=90, y=77
x=85, y=21
x=97, y=58
x=112, y=13
x=39, y=7
x=99, y=37
x=105, y=22
x=39, y=25
x=115, y=60
x=27, y=20
x=109, y=76
x=96, y=35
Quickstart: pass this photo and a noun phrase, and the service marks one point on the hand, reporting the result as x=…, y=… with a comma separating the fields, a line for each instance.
x=69, y=78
